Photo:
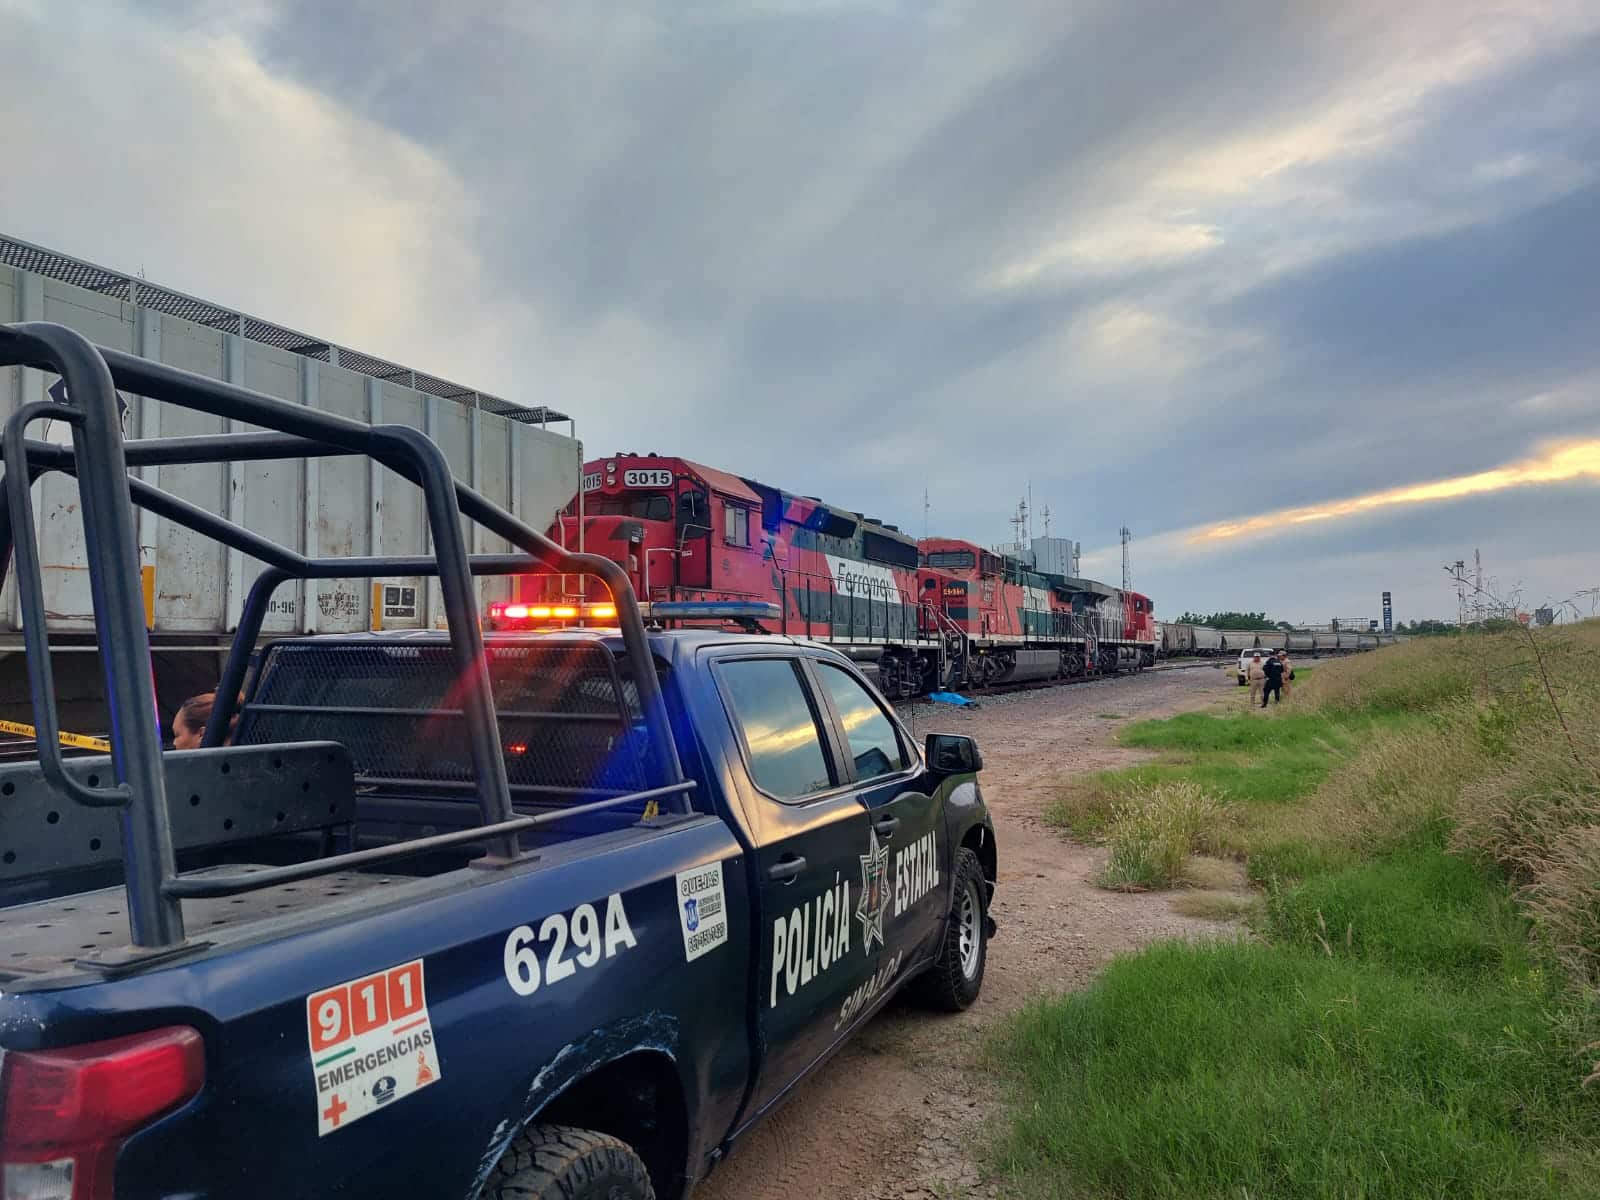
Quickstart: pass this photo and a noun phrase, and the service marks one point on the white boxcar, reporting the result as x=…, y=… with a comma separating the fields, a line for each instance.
x=330, y=506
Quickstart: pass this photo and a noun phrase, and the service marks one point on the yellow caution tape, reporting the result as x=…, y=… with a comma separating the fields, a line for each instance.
x=81, y=740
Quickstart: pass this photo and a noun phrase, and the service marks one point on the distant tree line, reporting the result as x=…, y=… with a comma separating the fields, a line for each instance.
x=1428, y=628
x=1258, y=620
x=1233, y=620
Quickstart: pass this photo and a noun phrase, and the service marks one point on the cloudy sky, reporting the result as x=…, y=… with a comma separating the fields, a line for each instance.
x=1244, y=276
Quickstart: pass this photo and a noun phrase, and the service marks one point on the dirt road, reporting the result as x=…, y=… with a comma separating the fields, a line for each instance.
x=893, y=1115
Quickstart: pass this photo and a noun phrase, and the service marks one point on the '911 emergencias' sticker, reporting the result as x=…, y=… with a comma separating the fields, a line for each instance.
x=371, y=1044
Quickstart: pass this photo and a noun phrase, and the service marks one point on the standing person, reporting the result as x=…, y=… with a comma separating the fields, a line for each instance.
x=1256, y=673
x=1288, y=672
x=1274, y=686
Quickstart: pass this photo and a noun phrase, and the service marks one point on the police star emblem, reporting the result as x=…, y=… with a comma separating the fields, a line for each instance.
x=874, y=873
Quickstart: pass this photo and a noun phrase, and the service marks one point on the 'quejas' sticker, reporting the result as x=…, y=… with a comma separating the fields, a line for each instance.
x=702, y=910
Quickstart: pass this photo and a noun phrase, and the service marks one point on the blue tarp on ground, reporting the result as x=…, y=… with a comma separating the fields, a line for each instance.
x=951, y=698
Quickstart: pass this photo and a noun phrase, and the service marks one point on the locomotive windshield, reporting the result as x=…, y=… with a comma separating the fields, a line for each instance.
x=640, y=508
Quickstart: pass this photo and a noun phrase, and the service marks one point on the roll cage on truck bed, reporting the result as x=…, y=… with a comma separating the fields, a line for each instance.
x=141, y=796
x=438, y=830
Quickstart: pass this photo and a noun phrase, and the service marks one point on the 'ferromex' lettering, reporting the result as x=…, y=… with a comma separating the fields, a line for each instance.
x=916, y=871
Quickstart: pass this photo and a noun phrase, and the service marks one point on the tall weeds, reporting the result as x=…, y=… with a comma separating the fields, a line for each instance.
x=1152, y=834
x=1508, y=762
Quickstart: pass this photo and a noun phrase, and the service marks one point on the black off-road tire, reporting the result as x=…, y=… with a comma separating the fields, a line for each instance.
x=956, y=977
x=559, y=1162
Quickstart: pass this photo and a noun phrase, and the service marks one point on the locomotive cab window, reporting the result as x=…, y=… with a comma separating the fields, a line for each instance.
x=641, y=508
x=735, y=525
x=691, y=509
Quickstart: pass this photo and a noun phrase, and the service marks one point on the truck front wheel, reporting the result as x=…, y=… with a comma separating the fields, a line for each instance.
x=956, y=977
x=559, y=1162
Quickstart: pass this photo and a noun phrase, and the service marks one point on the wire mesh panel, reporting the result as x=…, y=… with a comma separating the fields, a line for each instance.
x=568, y=723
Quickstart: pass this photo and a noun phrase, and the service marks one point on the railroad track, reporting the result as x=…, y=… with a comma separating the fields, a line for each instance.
x=1040, y=685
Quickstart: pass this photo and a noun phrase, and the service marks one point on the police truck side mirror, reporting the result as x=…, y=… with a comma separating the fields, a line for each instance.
x=952, y=753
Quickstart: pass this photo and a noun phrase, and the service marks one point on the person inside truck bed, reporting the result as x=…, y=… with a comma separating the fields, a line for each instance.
x=189, y=722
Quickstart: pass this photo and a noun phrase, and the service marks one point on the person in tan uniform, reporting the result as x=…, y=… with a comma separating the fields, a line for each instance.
x=1288, y=671
x=1257, y=675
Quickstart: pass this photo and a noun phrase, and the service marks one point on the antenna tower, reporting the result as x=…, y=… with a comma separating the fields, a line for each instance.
x=1019, y=522
x=1127, y=571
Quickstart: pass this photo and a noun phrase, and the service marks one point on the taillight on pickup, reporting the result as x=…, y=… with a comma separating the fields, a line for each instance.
x=65, y=1113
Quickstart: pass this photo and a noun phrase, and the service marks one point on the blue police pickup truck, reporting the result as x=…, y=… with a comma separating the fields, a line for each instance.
x=430, y=914
x=604, y=1017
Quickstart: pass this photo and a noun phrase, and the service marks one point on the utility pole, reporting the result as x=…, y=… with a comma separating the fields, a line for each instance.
x=1458, y=574
x=1477, y=585
x=1127, y=570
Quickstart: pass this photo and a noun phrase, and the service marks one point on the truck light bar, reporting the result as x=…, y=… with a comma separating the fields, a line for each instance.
x=517, y=613
x=721, y=610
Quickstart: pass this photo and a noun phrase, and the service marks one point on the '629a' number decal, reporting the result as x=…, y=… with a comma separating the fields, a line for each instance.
x=568, y=942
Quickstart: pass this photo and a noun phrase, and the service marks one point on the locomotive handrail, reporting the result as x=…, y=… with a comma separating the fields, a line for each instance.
x=100, y=458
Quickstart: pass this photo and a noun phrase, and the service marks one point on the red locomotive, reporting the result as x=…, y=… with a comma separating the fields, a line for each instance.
x=704, y=544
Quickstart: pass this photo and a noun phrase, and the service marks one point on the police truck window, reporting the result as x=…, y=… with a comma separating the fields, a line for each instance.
x=873, y=743
x=780, y=730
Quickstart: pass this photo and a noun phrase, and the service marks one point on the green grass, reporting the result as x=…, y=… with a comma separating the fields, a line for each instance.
x=1417, y=909
x=1202, y=732
x=1240, y=1070
x=1401, y=1021
x=1277, y=860
x=1215, y=906
x=1240, y=758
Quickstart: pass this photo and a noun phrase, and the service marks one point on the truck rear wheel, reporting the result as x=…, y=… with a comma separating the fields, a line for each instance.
x=559, y=1162
x=956, y=977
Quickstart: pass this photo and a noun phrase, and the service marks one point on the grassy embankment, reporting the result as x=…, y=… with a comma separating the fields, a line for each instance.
x=1410, y=1012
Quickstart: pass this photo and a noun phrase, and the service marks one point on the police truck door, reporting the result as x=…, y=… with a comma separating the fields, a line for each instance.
x=822, y=889
x=904, y=817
